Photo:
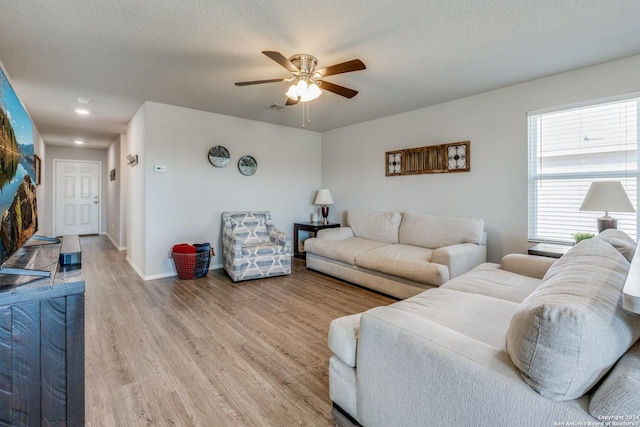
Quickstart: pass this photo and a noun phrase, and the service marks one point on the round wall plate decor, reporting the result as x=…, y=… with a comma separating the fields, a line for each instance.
x=219, y=156
x=247, y=165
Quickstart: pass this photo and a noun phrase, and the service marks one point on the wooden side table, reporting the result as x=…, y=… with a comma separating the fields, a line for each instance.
x=549, y=250
x=312, y=227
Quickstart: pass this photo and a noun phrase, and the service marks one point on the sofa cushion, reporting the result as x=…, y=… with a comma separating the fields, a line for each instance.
x=378, y=226
x=408, y=262
x=618, y=393
x=341, y=250
x=434, y=232
x=571, y=330
x=263, y=249
x=489, y=279
x=480, y=317
x=619, y=240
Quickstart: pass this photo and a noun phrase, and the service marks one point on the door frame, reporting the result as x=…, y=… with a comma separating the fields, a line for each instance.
x=55, y=191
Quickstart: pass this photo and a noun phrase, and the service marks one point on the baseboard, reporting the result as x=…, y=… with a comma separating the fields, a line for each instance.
x=161, y=275
x=113, y=242
x=341, y=418
x=135, y=267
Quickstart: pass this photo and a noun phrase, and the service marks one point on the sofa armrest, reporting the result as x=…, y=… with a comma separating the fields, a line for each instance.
x=339, y=233
x=413, y=371
x=460, y=258
x=527, y=265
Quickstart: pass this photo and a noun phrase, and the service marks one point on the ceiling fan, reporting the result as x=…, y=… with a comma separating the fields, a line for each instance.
x=307, y=80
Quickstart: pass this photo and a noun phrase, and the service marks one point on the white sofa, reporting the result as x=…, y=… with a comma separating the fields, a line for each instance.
x=502, y=345
x=398, y=254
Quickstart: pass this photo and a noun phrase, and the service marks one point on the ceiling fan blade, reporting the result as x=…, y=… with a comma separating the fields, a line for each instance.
x=280, y=59
x=340, y=90
x=344, y=67
x=259, y=82
x=290, y=102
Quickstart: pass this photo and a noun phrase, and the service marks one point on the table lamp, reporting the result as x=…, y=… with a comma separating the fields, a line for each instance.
x=324, y=198
x=606, y=196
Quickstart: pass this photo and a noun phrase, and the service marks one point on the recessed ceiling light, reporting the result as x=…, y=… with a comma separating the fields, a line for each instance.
x=83, y=109
x=77, y=141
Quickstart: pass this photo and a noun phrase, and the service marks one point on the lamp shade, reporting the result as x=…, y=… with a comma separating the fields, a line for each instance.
x=324, y=197
x=608, y=196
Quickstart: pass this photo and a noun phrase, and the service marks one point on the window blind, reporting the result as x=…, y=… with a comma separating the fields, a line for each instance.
x=568, y=150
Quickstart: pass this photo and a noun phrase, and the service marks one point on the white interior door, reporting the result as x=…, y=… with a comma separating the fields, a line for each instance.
x=77, y=197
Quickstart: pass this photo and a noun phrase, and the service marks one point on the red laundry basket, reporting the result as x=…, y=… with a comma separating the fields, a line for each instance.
x=192, y=266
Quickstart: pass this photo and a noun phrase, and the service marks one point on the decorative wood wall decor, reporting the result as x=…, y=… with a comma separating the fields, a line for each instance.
x=445, y=158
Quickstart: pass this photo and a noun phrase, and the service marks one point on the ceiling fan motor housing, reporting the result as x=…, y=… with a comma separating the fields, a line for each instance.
x=305, y=63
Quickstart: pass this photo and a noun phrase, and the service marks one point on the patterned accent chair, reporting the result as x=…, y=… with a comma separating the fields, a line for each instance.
x=252, y=247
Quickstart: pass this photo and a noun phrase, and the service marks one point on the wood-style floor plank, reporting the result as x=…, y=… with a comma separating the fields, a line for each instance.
x=209, y=352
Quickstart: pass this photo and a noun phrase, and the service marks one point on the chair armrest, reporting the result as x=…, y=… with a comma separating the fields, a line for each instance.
x=338, y=233
x=280, y=238
x=460, y=258
x=527, y=265
x=232, y=244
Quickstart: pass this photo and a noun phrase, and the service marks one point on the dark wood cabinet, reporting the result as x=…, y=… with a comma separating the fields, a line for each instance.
x=41, y=342
x=312, y=227
x=549, y=250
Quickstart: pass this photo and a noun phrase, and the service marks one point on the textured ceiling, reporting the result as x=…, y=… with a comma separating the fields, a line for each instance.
x=418, y=53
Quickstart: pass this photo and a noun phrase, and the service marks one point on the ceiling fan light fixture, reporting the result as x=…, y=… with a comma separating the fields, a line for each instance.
x=293, y=92
x=303, y=91
x=313, y=92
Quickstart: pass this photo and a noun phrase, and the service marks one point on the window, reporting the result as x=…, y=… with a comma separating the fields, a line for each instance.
x=572, y=147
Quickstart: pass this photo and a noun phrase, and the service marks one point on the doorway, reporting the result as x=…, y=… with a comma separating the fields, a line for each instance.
x=77, y=197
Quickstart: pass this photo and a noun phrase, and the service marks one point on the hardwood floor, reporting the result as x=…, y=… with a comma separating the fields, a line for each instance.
x=209, y=352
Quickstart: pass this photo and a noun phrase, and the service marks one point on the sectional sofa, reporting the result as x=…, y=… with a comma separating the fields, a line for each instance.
x=528, y=342
x=399, y=254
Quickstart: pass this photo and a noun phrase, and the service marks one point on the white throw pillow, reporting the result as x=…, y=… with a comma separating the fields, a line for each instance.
x=378, y=226
x=430, y=231
x=570, y=331
x=619, y=240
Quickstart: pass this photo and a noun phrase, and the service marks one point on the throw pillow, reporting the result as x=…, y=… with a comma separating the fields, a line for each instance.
x=377, y=226
x=430, y=231
x=571, y=330
x=619, y=240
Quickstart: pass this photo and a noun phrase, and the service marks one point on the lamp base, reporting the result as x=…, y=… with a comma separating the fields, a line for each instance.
x=606, y=222
x=325, y=214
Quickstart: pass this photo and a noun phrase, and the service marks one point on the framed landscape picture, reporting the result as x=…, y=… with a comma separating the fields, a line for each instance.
x=18, y=176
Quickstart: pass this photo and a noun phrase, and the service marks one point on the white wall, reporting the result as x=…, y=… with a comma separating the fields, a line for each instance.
x=135, y=197
x=495, y=122
x=41, y=193
x=113, y=198
x=185, y=203
x=122, y=174
x=72, y=153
